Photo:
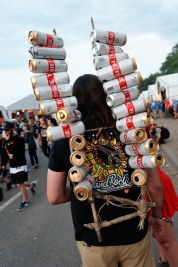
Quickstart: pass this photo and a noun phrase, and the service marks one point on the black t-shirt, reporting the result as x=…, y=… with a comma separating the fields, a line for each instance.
x=109, y=165
x=29, y=138
x=16, y=146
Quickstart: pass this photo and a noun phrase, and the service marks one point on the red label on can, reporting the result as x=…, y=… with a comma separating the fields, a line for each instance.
x=51, y=66
x=49, y=40
x=111, y=49
x=116, y=70
x=51, y=79
x=130, y=107
x=67, y=131
x=88, y=180
x=75, y=114
x=139, y=162
x=129, y=123
x=125, y=136
x=55, y=91
x=135, y=149
x=122, y=83
x=111, y=38
x=112, y=59
x=59, y=103
x=127, y=96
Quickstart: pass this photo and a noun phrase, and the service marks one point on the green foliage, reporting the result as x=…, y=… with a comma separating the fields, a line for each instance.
x=169, y=66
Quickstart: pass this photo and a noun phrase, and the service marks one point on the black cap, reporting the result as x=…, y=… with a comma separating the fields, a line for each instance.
x=7, y=125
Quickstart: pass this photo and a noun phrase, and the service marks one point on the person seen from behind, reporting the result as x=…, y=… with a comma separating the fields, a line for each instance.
x=42, y=137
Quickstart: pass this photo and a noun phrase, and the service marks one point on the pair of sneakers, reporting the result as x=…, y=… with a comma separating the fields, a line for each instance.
x=25, y=204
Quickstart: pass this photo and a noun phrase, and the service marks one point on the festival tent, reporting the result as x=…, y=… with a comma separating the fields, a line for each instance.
x=4, y=115
x=25, y=104
x=167, y=86
x=152, y=92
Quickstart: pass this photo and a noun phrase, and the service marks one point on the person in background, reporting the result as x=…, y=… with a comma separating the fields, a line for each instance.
x=15, y=150
x=154, y=109
x=176, y=109
x=42, y=137
x=18, y=129
x=51, y=123
x=160, y=110
x=167, y=106
x=34, y=128
x=29, y=139
x=155, y=133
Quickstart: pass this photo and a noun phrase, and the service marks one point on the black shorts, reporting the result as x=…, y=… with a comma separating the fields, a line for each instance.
x=19, y=177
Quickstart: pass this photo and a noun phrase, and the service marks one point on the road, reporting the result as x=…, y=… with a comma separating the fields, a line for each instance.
x=43, y=235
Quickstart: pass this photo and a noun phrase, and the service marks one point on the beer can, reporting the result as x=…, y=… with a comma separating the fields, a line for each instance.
x=47, y=53
x=50, y=79
x=133, y=136
x=66, y=130
x=141, y=120
x=149, y=146
x=84, y=188
x=77, y=158
x=125, y=96
x=47, y=65
x=122, y=83
x=117, y=70
x=51, y=106
x=148, y=161
x=106, y=60
x=99, y=49
x=77, y=142
x=129, y=108
x=76, y=174
x=108, y=37
x=68, y=115
x=44, y=39
x=52, y=92
x=139, y=177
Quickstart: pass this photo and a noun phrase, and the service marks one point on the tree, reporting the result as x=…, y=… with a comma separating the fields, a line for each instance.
x=148, y=81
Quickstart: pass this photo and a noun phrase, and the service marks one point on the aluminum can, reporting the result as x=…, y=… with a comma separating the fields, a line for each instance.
x=76, y=174
x=122, y=83
x=141, y=120
x=47, y=53
x=50, y=79
x=139, y=177
x=106, y=60
x=129, y=108
x=52, y=92
x=117, y=70
x=125, y=96
x=51, y=106
x=149, y=146
x=44, y=39
x=77, y=158
x=77, y=142
x=47, y=65
x=68, y=115
x=99, y=49
x=84, y=188
x=133, y=136
x=148, y=161
x=108, y=37
x=66, y=130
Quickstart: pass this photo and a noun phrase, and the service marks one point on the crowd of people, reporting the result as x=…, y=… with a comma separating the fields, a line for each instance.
x=13, y=137
x=164, y=109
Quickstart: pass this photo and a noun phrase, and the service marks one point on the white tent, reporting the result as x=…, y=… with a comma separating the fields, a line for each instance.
x=4, y=113
x=153, y=93
x=2, y=108
x=167, y=86
x=26, y=103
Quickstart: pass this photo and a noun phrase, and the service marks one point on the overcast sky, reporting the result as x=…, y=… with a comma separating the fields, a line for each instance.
x=151, y=27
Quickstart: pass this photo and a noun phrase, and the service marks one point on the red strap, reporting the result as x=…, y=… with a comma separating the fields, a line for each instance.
x=139, y=162
x=51, y=66
x=67, y=131
x=111, y=38
x=122, y=83
x=129, y=123
x=135, y=149
x=127, y=96
x=49, y=40
x=111, y=49
x=50, y=79
x=59, y=103
x=112, y=59
x=55, y=91
x=130, y=107
x=116, y=70
x=125, y=136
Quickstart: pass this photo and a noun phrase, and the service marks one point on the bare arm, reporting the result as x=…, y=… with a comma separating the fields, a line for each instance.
x=57, y=191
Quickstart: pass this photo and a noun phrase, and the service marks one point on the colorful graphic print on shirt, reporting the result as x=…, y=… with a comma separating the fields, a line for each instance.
x=108, y=164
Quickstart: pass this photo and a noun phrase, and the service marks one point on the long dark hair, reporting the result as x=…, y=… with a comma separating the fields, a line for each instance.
x=92, y=100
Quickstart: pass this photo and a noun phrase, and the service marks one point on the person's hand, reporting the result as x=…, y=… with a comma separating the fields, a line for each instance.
x=3, y=167
x=156, y=226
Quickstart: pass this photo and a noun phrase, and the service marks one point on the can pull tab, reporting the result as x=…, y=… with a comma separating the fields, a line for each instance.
x=92, y=23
